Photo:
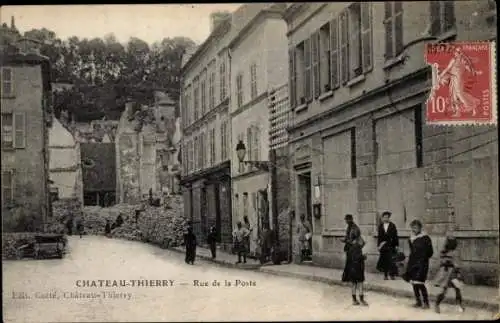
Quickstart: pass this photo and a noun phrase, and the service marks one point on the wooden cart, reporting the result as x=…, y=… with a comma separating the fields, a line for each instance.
x=49, y=246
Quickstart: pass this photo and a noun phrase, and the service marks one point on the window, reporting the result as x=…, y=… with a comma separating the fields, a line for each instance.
x=196, y=99
x=393, y=29
x=211, y=90
x=184, y=108
x=222, y=75
x=253, y=78
x=241, y=166
x=442, y=17
x=191, y=156
x=224, y=143
x=196, y=153
x=256, y=143
x=245, y=204
x=7, y=187
x=324, y=44
x=203, y=148
x=334, y=54
x=185, y=166
x=212, y=146
x=255, y=202
x=356, y=40
x=239, y=89
x=249, y=146
x=300, y=80
x=13, y=130
x=7, y=82
x=189, y=105
x=315, y=52
x=293, y=78
x=203, y=97
x=307, y=70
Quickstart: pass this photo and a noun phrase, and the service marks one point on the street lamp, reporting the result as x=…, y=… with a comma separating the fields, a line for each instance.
x=241, y=152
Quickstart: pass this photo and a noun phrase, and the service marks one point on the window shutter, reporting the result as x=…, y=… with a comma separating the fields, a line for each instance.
x=19, y=130
x=315, y=63
x=435, y=22
x=293, y=77
x=449, y=15
x=398, y=27
x=366, y=36
x=307, y=69
x=388, y=25
x=334, y=53
x=256, y=144
x=344, y=47
x=249, y=145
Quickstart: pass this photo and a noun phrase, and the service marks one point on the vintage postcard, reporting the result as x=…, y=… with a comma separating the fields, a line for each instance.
x=250, y=162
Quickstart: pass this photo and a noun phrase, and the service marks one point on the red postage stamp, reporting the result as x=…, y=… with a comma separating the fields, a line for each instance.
x=463, y=83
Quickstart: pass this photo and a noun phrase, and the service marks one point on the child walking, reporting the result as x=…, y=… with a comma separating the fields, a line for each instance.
x=449, y=274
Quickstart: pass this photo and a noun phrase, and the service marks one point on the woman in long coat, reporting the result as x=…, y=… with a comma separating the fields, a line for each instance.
x=387, y=244
x=190, y=243
x=418, y=263
x=354, y=270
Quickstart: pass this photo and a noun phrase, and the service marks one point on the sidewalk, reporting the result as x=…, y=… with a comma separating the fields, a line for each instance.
x=223, y=259
x=473, y=296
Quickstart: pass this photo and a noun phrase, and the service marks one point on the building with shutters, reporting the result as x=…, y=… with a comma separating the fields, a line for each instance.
x=205, y=123
x=258, y=66
x=358, y=138
x=26, y=116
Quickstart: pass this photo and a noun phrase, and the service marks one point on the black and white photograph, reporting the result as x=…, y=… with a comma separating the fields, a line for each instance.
x=302, y=161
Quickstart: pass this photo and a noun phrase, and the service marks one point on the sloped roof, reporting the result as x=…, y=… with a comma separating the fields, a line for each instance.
x=98, y=166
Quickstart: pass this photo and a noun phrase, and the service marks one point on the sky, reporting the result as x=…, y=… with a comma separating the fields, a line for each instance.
x=151, y=22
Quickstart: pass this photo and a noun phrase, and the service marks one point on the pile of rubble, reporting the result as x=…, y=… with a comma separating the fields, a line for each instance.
x=62, y=210
x=12, y=241
x=163, y=225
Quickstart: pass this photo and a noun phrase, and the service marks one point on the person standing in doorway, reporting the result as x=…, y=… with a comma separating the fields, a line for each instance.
x=212, y=241
x=304, y=232
x=387, y=245
x=354, y=270
x=418, y=263
x=248, y=226
x=240, y=234
x=190, y=243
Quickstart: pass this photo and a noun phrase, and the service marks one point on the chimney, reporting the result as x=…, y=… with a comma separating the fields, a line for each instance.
x=12, y=23
x=218, y=17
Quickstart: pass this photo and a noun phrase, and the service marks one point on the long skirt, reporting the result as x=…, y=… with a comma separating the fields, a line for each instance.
x=354, y=270
x=190, y=253
x=386, y=263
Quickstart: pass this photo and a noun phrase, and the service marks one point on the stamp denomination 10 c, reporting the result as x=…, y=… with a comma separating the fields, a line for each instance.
x=463, y=83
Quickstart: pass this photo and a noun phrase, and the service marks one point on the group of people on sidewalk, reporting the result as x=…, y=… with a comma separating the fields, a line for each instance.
x=417, y=266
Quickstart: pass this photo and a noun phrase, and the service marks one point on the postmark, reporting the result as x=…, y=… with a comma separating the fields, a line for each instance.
x=463, y=83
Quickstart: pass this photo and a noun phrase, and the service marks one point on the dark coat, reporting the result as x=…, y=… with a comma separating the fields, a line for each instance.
x=390, y=237
x=421, y=251
x=212, y=238
x=190, y=243
x=354, y=270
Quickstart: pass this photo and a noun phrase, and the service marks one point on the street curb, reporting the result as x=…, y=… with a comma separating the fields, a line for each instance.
x=222, y=263
x=382, y=289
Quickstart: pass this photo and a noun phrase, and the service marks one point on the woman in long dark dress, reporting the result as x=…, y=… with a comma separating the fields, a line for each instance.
x=387, y=244
x=190, y=243
x=354, y=270
x=418, y=263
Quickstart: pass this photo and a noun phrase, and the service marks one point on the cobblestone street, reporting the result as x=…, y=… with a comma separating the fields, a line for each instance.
x=264, y=298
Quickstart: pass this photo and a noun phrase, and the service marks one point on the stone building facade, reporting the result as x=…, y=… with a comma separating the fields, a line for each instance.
x=359, y=142
x=257, y=67
x=65, y=163
x=205, y=97
x=26, y=116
